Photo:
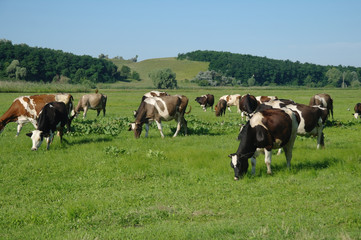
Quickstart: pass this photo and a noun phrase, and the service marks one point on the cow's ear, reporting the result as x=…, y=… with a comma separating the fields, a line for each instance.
x=29, y=134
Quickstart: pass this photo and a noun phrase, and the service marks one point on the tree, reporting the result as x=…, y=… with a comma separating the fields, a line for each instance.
x=334, y=77
x=11, y=69
x=164, y=78
x=20, y=73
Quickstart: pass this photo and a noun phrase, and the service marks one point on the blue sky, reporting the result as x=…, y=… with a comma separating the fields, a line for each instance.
x=315, y=31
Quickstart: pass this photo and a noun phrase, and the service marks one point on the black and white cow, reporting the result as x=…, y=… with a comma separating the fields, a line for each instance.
x=266, y=130
x=54, y=116
x=324, y=100
x=311, y=118
x=205, y=101
x=357, y=110
x=160, y=109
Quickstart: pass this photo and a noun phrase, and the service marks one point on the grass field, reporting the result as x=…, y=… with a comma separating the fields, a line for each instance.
x=102, y=183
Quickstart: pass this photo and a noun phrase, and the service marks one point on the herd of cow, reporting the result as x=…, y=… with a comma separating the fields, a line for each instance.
x=272, y=123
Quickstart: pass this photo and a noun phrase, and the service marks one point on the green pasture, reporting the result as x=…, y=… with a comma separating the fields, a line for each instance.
x=102, y=183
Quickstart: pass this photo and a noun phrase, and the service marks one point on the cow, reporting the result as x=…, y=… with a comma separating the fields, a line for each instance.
x=205, y=101
x=248, y=104
x=94, y=101
x=323, y=100
x=263, y=99
x=357, y=110
x=54, y=116
x=311, y=118
x=232, y=100
x=220, y=108
x=26, y=109
x=160, y=109
x=266, y=130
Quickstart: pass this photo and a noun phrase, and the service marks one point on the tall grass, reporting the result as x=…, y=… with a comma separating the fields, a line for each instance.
x=31, y=87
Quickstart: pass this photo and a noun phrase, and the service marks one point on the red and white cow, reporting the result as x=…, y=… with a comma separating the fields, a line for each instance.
x=357, y=110
x=27, y=108
x=323, y=100
x=205, y=101
x=150, y=94
x=232, y=100
x=263, y=99
x=266, y=130
x=160, y=109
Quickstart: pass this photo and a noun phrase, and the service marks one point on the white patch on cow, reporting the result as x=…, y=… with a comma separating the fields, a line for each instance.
x=257, y=120
x=62, y=98
x=324, y=103
x=132, y=125
x=155, y=101
x=356, y=115
x=32, y=110
x=234, y=160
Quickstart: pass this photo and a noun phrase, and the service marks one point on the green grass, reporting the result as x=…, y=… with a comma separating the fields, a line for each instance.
x=23, y=87
x=113, y=186
x=184, y=69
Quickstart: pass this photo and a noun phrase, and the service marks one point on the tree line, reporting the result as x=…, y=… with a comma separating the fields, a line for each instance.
x=21, y=62
x=227, y=68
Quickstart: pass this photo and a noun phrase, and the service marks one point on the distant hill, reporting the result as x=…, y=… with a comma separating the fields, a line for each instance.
x=184, y=69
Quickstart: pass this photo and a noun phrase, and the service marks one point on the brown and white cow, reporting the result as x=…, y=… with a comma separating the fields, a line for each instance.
x=221, y=107
x=323, y=100
x=205, y=101
x=27, y=108
x=266, y=130
x=232, y=100
x=311, y=118
x=54, y=116
x=94, y=101
x=263, y=99
x=160, y=109
x=357, y=109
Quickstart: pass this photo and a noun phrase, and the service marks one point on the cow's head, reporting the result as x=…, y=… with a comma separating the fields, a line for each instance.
x=198, y=100
x=239, y=164
x=136, y=128
x=37, y=137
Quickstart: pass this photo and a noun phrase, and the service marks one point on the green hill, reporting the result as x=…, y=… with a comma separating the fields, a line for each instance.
x=184, y=69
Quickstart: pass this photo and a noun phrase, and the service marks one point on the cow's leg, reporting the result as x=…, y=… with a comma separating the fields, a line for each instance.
x=267, y=160
x=160, y=128
x=103, y=111
x=20, y=126
x=85, y=111
x=49, y=139
x=253, y=162
x=98, y=112
x=204, y=108
x=320, y=138
x=146, y=129
x=279, y=151
x=229, y=109
x=179, y=123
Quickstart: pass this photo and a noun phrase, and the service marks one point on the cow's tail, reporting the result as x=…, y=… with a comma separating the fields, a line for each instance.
x=190, y=109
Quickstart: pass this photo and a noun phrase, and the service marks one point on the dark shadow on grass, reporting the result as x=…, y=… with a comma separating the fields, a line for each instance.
x=196, y=131
x=87, y=140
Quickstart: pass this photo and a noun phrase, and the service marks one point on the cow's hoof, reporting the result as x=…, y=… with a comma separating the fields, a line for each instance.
x=236, y=178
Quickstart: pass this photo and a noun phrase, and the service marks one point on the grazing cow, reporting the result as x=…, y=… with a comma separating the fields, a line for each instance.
x=94, y=101
x=323, y=100
x=220, y=108
x=311, y=118
x=267, y=129
x=160, y=109
x=53, y=116
x=263, y=99
x=357, y=110
x=206, y=101
x=232, y=100
x=248, y=104
x=27, y=108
